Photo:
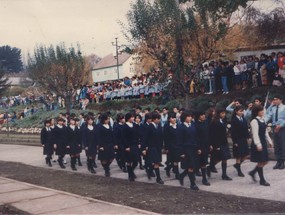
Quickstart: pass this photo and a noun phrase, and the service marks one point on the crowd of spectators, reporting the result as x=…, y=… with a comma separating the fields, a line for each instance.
x=249, y=72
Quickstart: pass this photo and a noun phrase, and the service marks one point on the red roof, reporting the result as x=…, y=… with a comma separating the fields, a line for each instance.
x=110, y=61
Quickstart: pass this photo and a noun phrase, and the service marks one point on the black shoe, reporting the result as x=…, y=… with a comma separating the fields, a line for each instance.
x=206, y=183
x=73, y=168
x=161, y=165
x=177, y=176
x=194, y=187
x=92, y=171
x=277, y=165
x=181, y=180
x=148, y=175
x=62, y=166
x=134, y=175
x=281, y=166
x=131, y=179
x=94, y=165
x=152, y=174
x=167, y=172
x=198, y=173
x=264, y=183
x=213, y=169
x=47, y=160
x=159, y=181
x=107, y=173
x=226, y=178
x=141, y=167
x=252, y=174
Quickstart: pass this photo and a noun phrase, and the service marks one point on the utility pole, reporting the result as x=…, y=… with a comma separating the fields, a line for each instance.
x=117, y=55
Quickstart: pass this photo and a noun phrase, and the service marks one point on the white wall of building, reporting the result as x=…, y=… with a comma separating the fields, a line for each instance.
x=110, y=73
x=256, y=53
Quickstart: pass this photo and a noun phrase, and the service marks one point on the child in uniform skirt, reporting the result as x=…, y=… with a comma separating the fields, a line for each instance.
x=240, y=135
x=190, y=149
x=218, y=136
x=170, y=136
x=79, y=140
x=131, y=145
x=106, y=143
x=260, y=138
x=60, y=135
x=47, y=140
x=89, y=142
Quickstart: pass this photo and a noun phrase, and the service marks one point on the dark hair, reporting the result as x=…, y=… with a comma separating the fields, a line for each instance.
x=278, y=96
x=138, y=116
x=147, y=117
x=184, y=115
x=89, y=118
x=139, y=107
x=104, y=117
x=128, y=116
x=171, y=115
x=237, y=108
x=217, y=114
x=165, y=108
x=255, y=110
x=47, y=121
x=239, y=100
x=59, y=119
x=155, y=115
x=198, y=114
x=120, y=116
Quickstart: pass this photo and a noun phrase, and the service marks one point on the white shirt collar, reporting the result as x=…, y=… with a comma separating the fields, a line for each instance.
x=155, y=125
x=130, y=124
x=173, y=125
x=106, y=126
x=90, y=127
x=221, y=121
x=48, y=128
x=60, y=126
x=187, y=124
x=72, y=127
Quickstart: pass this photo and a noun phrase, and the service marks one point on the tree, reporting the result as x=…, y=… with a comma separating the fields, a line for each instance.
x=11, y=59
x=59, y=70
x=4, y=85
x=179, y=34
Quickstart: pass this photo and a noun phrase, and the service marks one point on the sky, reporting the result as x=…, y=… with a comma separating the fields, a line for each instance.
x=91, y=23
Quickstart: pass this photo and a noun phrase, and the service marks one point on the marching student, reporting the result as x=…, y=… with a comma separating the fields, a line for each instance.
x=52, y=126
x=154, y=143
x=131, y=145
x=260, y=138
x=79, y=140
x=240, y=135
x=60, y=135
x=145, y=126
x=47, y=141
x=170, y=136
x=89, y=142
x=190, y=149
x=202, y=127
x=72, y=142
x=106, y=143
x=118, y=134
x=138, y=126
x=218, y=137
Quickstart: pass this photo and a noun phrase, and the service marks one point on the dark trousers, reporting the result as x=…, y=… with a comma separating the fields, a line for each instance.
x=279, y=144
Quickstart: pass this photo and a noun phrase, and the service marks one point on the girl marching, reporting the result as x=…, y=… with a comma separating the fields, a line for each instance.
x=240, y=135
x=260, y=138
x=47, y=141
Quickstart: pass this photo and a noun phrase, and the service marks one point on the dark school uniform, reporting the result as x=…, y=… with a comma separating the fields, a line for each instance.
x=170, y=136
x=144, y=135
x=139, y=131
x=187, y=139
x=131, y=140
x=203, y=139
x=60, y=137
x=240, y=134
x=73, y=136
x=79, y=139
x=47, y=139
x=154, y=143
x=118, y=135
x=218, y=137
x=105, y=137
x=261, y=156
x=89, y=140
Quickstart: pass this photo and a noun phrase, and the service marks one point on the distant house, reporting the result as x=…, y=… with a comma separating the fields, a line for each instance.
x=106, y=69
x=246, y=51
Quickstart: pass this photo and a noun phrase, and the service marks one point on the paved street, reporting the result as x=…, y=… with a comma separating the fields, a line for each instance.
x=39, y=200
x=32, y=155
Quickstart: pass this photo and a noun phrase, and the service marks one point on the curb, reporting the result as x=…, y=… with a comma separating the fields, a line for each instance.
x=82, y=197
